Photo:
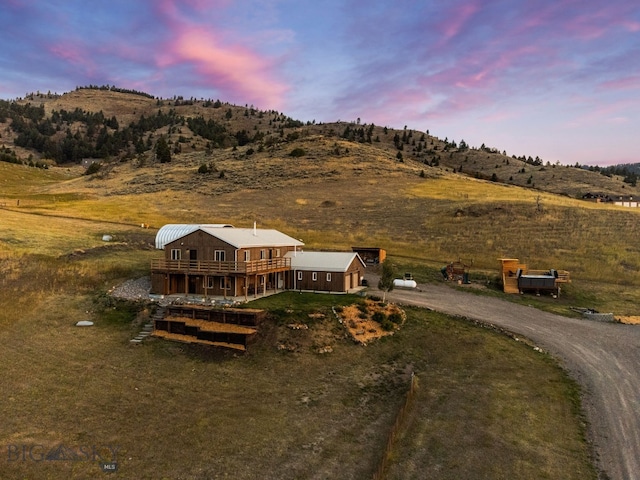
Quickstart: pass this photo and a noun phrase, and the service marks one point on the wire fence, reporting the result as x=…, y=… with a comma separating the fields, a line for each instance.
x=398, y=424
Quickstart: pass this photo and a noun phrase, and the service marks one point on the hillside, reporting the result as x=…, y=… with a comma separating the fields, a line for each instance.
x=325, y=184
x=116, y=128
x=286, y=413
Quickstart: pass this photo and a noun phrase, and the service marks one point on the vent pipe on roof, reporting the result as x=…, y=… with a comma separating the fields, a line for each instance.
x=255, y=230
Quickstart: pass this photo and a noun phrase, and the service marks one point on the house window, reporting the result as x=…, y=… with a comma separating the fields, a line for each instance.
x=247, y=255
x=277, y=253
x=329, y=277
x=209, y=282
x=314, y=276
x=299, y=275
x=176, y=254
x=222, y=285
x=219, y=256
x=263, y=254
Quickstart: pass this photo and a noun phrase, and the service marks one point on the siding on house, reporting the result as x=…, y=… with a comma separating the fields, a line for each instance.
x=214, y=260
x=220, y=260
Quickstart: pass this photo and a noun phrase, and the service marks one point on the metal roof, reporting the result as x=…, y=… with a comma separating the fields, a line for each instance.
x=170, y=232
x=322, y=261
x=252, y=237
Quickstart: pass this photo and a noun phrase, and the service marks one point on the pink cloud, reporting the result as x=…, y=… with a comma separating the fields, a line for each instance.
x=456, y=20
x=613, y=112
x=626, y=83
x=237, y=70
x=73, y=54
x=220, y=58
x=631, y=26
x=68, y=52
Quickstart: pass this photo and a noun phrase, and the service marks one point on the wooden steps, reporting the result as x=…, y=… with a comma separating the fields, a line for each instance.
x=228, y=328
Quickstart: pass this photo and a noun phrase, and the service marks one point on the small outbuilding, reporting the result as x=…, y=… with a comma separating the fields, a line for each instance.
x=325, y=271
x=518, y=278
x=371, y=255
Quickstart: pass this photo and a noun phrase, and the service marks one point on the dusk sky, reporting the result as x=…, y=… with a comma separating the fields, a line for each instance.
x=558, y=79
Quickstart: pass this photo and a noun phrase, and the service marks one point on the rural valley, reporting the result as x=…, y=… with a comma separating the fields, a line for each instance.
x=488, y=402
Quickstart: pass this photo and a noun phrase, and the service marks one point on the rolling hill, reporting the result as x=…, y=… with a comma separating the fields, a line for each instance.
x=114, y=127
x=332, y=185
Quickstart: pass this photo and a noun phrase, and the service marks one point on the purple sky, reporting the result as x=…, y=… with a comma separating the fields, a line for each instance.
x=559, y=79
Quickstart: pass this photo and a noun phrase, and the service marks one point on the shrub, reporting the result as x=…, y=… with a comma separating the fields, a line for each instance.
x=93, y=168
x=379, y=317
x=204, y=168
x=297, y=152
x=395, y=318
x=387, y=325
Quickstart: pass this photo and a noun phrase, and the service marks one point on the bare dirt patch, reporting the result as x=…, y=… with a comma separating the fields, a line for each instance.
x=629, y=320
x=361, y=323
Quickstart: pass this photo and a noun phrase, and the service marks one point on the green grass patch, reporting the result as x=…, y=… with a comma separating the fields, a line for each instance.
x=303, y=302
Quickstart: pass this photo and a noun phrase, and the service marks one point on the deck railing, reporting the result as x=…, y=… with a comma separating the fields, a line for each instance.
x=212, y=267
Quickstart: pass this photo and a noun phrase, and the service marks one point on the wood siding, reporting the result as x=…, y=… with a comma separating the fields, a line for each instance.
x=340, y=281
x=195, y=265
x=204, y=246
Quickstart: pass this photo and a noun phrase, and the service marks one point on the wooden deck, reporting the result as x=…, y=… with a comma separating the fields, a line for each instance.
x=210, y=267
x=512, y=266
x=228, y=328
x=216, y=327
x=189, y=339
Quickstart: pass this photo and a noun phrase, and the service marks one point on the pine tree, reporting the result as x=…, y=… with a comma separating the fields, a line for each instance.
x=163, y=152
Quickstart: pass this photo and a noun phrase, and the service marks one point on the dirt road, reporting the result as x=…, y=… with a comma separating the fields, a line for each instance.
x=604, y=358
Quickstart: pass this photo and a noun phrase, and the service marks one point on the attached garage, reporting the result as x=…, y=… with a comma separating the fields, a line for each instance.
x=325, y=271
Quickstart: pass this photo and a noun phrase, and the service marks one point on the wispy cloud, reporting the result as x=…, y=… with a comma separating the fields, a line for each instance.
x=417, y=63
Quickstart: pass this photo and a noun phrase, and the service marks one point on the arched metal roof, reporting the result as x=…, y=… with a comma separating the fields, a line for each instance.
x=172, y=231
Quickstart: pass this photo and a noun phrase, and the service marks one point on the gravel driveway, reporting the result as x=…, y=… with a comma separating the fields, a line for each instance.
x=604, y=358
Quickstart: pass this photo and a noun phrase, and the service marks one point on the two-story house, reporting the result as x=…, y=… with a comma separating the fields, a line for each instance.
x=220, y=260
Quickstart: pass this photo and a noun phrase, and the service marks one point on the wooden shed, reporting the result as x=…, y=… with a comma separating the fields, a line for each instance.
x=371, y=255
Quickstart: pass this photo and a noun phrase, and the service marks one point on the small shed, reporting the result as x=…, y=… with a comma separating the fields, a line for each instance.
x=371, y=255
x=510, y=269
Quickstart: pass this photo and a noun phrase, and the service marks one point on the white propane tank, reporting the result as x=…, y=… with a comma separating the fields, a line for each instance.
x=400, y=283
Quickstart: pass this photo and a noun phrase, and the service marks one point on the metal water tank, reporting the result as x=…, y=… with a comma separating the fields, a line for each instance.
x=401, y=283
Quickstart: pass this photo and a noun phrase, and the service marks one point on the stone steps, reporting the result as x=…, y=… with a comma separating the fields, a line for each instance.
x=147, y=328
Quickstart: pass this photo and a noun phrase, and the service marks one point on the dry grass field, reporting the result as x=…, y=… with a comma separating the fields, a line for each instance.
x=494, y=406
x=174, y=411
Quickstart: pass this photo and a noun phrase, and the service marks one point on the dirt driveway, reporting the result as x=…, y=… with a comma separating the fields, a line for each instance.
x=604, y=358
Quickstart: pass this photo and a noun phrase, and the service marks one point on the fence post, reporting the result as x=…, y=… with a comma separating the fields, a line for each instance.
x=379, y=474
